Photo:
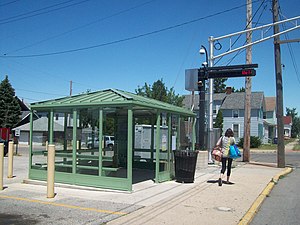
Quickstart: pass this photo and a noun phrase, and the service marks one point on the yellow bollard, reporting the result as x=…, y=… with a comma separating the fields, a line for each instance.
x=10, y=159
x=1, y=165
x=50, y=171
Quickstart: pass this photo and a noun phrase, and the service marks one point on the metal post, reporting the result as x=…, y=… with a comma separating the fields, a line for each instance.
x=50, y=171
x=129, y=147
x=1, y=164
x=100, y=137
x=157, y=146
x=210, y=103
x=201, y=89
x=10, y=159
x=201, y=120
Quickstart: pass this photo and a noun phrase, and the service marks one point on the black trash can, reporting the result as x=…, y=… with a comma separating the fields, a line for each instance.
x=185, y=165
x=275, y=141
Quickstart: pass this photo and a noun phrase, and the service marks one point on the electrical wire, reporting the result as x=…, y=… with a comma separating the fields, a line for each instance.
x=290, y=50
x=47, y=74
x=30, y=99
x=15, y=18
x=40, y=92
x=240, y=51
x=243, y=50
x=81, y=27
x=8, y=3
x=129, y=38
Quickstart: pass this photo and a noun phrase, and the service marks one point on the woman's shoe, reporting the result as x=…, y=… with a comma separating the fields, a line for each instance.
x=220, y=182
x=228, y=182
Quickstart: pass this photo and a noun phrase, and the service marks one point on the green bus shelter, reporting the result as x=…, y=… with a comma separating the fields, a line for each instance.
x=108, y=139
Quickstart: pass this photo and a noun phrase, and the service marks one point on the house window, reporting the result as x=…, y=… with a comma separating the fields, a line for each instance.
x=264, y=115
x=235, y=113
x=236, y=131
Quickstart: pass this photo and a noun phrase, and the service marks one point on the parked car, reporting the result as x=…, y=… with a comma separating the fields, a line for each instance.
x=5, y=146
x=108, y=140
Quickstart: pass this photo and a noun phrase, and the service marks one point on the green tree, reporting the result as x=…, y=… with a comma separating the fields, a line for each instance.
x=219, y=121
x=10, y=109
x=242, y=89
x=295, y=122
x=219, y=85
x=159, y=91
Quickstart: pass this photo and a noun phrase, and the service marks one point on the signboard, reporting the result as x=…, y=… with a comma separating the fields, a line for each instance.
x=227, y=73
x=194, y=76
x=17, y=132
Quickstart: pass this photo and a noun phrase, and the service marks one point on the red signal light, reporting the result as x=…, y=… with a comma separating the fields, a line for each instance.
x=246, y=72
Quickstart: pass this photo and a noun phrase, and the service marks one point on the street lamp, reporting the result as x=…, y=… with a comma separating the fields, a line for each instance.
x=203, y=51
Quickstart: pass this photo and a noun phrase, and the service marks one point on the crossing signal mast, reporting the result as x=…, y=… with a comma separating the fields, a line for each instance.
x=211, y=72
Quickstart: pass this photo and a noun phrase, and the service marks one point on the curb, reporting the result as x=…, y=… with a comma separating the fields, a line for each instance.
x=248, y=217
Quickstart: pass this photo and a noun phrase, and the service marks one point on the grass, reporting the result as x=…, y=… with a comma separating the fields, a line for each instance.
x=274, y=147
x=268, y=147
x=296, y=147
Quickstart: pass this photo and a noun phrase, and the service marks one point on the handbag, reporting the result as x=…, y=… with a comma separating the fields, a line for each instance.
x=234, y=152
x=217, y=154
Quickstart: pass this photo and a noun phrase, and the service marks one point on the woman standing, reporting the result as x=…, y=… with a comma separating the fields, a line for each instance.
x=224, y=143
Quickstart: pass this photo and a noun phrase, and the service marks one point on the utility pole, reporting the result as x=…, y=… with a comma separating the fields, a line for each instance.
x=71, y=86
x=248, y=86
x=279, y=91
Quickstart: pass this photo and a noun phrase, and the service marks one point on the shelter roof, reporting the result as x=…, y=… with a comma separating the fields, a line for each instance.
x=109, y=98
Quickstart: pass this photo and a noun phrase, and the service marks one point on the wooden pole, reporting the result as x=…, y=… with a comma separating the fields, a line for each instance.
x=248, y=86
x=279, y=91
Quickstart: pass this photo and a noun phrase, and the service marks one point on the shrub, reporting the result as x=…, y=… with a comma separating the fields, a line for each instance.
x=255, y=142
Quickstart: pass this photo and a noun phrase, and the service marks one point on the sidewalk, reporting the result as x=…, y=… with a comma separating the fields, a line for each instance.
x=207, y=203
x=202, y=202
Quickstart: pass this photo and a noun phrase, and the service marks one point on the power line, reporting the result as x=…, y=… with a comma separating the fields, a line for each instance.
x=47, y=74
x=40, y=92
x=22, y=97
x=241, y=34
x=291, y=50
x=8, y=3
x=241, y=51
x=15, y=18
x=83, y=26
x=129, y=38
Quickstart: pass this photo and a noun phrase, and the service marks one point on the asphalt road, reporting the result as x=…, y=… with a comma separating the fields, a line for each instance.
x=283, y=204
x=15, y=209
x=292, y=159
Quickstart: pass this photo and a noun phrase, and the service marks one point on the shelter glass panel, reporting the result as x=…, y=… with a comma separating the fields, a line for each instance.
x=164, y=140
x=87, y=142
x=114, y=142
x=62, y=139
x=40, y=138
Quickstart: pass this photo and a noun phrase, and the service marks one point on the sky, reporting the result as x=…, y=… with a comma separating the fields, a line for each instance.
x=120, y=44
